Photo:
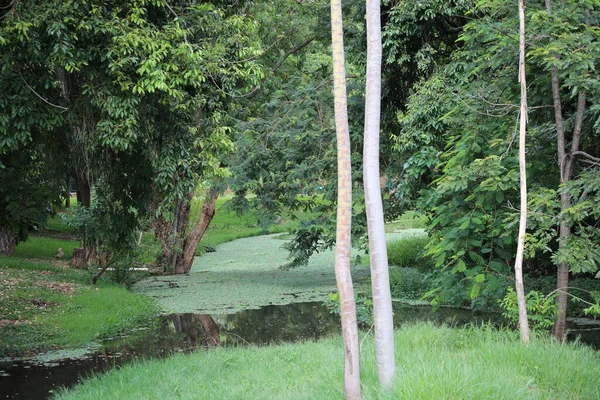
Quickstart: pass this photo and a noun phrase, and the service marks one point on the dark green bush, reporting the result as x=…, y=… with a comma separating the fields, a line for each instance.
x=407, y=283
x=408, y=252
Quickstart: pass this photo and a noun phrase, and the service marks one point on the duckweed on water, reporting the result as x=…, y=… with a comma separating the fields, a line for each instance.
x=245, y=274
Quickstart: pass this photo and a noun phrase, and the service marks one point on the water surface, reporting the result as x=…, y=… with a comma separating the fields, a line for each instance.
x=190, y=332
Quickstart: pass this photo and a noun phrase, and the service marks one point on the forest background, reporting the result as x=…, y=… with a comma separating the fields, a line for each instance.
x=136, y=105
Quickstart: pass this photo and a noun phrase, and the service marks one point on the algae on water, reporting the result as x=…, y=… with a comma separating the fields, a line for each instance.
x=241, y=275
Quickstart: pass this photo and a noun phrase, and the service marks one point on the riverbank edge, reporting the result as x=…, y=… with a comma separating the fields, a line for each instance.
x=433, y=362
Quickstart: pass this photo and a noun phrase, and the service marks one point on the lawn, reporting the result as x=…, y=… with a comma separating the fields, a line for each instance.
x=432, y=363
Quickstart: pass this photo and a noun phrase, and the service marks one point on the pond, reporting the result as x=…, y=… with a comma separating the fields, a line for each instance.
x=189, y=332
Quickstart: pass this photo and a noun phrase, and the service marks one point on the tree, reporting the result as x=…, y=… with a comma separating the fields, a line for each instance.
x=141, y=88
x=30, y=142
x=382, y=300
x=523, y=322
x=465, y=164
x=344, y=212
x=285, y=148
x=567, y=158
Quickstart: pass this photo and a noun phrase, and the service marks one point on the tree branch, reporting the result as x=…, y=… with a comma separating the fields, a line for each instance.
x=292, y=51
x=586, y=155
x=38, y=95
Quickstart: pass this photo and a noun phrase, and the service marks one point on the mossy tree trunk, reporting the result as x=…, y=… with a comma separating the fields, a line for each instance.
x=8, y=241
x=186, y=257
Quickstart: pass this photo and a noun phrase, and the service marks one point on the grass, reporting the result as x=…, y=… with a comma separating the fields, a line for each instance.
x=45, y=247
x=408, y=252
x=57, y=223
x=408, y=220
x=46, y=243
x=47, y=305
x=227, y=225
x=432, y=363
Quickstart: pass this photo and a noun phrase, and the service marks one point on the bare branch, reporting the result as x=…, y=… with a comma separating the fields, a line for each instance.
x=38, y=95
x=586, y=155
x=171, y=9
x=545, y=106
x=481, y=112
x=292, y=51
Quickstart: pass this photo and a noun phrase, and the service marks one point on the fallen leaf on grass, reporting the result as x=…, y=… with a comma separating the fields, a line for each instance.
x=4, y=322
x=61, y=287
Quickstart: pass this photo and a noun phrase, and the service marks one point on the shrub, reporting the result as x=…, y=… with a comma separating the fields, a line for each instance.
x=579, y=288
x=409, y=252
x=407, y=283
x=541, y=309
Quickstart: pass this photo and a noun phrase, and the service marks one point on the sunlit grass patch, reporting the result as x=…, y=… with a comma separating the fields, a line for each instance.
x=45, y=247
x=408, y=220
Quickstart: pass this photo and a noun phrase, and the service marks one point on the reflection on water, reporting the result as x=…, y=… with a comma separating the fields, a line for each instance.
x=272, y=324
x=195, y=330
x=190, y=332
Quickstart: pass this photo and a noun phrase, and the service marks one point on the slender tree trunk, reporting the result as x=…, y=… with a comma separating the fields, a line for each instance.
x=562, y=283
x=382, y=298
x=519, y=285
x=344, y=211
x=8, y=241
x=566, y=162
x=184, y=262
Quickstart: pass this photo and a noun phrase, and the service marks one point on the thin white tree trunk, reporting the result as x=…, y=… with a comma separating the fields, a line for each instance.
x=344, y=212
x=523, y=322
x=382, y=298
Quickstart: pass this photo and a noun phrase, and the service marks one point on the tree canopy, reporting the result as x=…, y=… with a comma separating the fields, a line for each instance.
x=139, y=102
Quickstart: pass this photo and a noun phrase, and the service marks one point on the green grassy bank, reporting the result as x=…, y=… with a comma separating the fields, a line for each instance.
x=433, y=363
x=48, y=305
x=227, y=225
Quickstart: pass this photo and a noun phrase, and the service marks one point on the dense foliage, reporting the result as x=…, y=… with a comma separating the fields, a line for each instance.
x=139, y=102
x=132, y=97
x=457, y=139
